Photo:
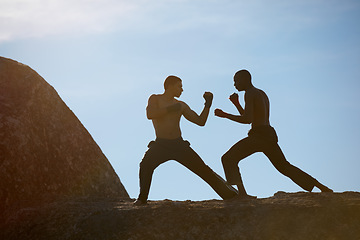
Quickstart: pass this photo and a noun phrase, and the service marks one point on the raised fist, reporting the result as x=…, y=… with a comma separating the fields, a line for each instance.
x=234, y=98
x=208, y=96
x=220, y=113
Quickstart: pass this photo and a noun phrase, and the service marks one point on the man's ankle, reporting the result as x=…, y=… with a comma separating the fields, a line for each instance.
x=139, y=202
x=323, y=188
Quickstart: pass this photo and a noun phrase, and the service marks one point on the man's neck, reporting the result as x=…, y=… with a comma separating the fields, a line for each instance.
x=250, y=87
x=168, y=96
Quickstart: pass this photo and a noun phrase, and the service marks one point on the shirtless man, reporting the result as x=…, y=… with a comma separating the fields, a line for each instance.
x=165, y=112
x=261, y=138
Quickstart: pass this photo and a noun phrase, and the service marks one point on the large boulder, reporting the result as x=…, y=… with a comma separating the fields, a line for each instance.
x=46, y=154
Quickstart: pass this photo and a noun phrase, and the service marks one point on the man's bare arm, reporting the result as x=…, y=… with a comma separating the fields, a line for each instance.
x=235, y=118
x=192, y=116
x=245, y=118
x=234, y=98
x=154, y=111
x=201, y=119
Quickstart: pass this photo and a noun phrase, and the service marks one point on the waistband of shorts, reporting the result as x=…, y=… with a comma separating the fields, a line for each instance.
x=179, y=139
x=261, y=127
x=263, y=132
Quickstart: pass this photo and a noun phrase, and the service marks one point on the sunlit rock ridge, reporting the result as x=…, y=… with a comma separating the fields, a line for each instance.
x=46, y=154
x=285, y=216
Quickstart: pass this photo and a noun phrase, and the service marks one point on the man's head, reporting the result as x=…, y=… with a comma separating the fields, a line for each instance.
x=242, y=80
x=173, y=84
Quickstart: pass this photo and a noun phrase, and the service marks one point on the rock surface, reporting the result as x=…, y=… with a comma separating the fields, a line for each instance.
x=46, y=154
x=288, y=216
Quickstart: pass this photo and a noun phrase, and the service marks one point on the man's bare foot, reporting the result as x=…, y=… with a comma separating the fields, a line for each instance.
x=244, y=197
x=247, y=197
x=326, y=189
x=323, y=188
x=138, y=202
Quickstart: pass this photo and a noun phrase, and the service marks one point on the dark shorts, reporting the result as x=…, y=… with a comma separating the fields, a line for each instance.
x=265, y=132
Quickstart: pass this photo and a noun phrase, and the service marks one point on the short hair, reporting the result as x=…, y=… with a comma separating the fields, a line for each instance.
x=243, y=74
x=171, y=80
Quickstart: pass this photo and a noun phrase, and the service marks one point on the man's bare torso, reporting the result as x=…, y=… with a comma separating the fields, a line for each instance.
x=259, y=101
x=167, y=126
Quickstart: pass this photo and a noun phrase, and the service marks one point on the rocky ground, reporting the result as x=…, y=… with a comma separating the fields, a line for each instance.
x=283, y=216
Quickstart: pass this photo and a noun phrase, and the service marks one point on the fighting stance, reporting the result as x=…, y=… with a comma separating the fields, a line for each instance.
x=261, y=138
x=165, y=112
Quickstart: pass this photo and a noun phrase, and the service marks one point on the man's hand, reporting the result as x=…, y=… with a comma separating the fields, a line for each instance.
x=208, y=96
x=234, y=98
x=174, y=108
x=220, y=113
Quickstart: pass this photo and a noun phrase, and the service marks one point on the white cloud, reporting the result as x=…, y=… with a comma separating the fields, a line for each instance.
x=38, y=18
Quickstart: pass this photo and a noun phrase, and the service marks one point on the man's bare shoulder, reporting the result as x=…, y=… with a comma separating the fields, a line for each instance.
x=253, y=92
x=183, y=104
x=184, y=107
x=249, y=94
x=155, y=96
x=179, y=101
x=261, y=94
x=260, y=91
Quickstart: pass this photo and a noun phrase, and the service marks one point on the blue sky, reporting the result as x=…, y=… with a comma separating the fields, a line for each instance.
x=105, y=58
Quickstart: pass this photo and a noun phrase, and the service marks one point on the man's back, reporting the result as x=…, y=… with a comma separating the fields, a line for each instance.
x=259, y=102
x=166, y=126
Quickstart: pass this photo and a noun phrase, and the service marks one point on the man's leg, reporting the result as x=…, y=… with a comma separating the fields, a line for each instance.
x=230, y=161
x=277, y=158
x=190, y=159
x=153, y=157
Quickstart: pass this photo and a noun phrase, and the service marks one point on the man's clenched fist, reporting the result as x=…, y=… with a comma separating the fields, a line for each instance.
x=208, y=96
x=220, y=113
x=234, y=98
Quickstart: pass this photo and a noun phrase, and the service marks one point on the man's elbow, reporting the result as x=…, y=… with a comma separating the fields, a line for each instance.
x=149, y=116
x=247, y=120
x=201, y=123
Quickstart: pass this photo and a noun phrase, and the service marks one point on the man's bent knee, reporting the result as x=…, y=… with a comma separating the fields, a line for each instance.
x=226, y=159
x=146, y=164
x=285, y=168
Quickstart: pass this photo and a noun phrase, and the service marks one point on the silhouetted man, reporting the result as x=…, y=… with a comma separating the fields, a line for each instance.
x=261, y=138
x=165, y=112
